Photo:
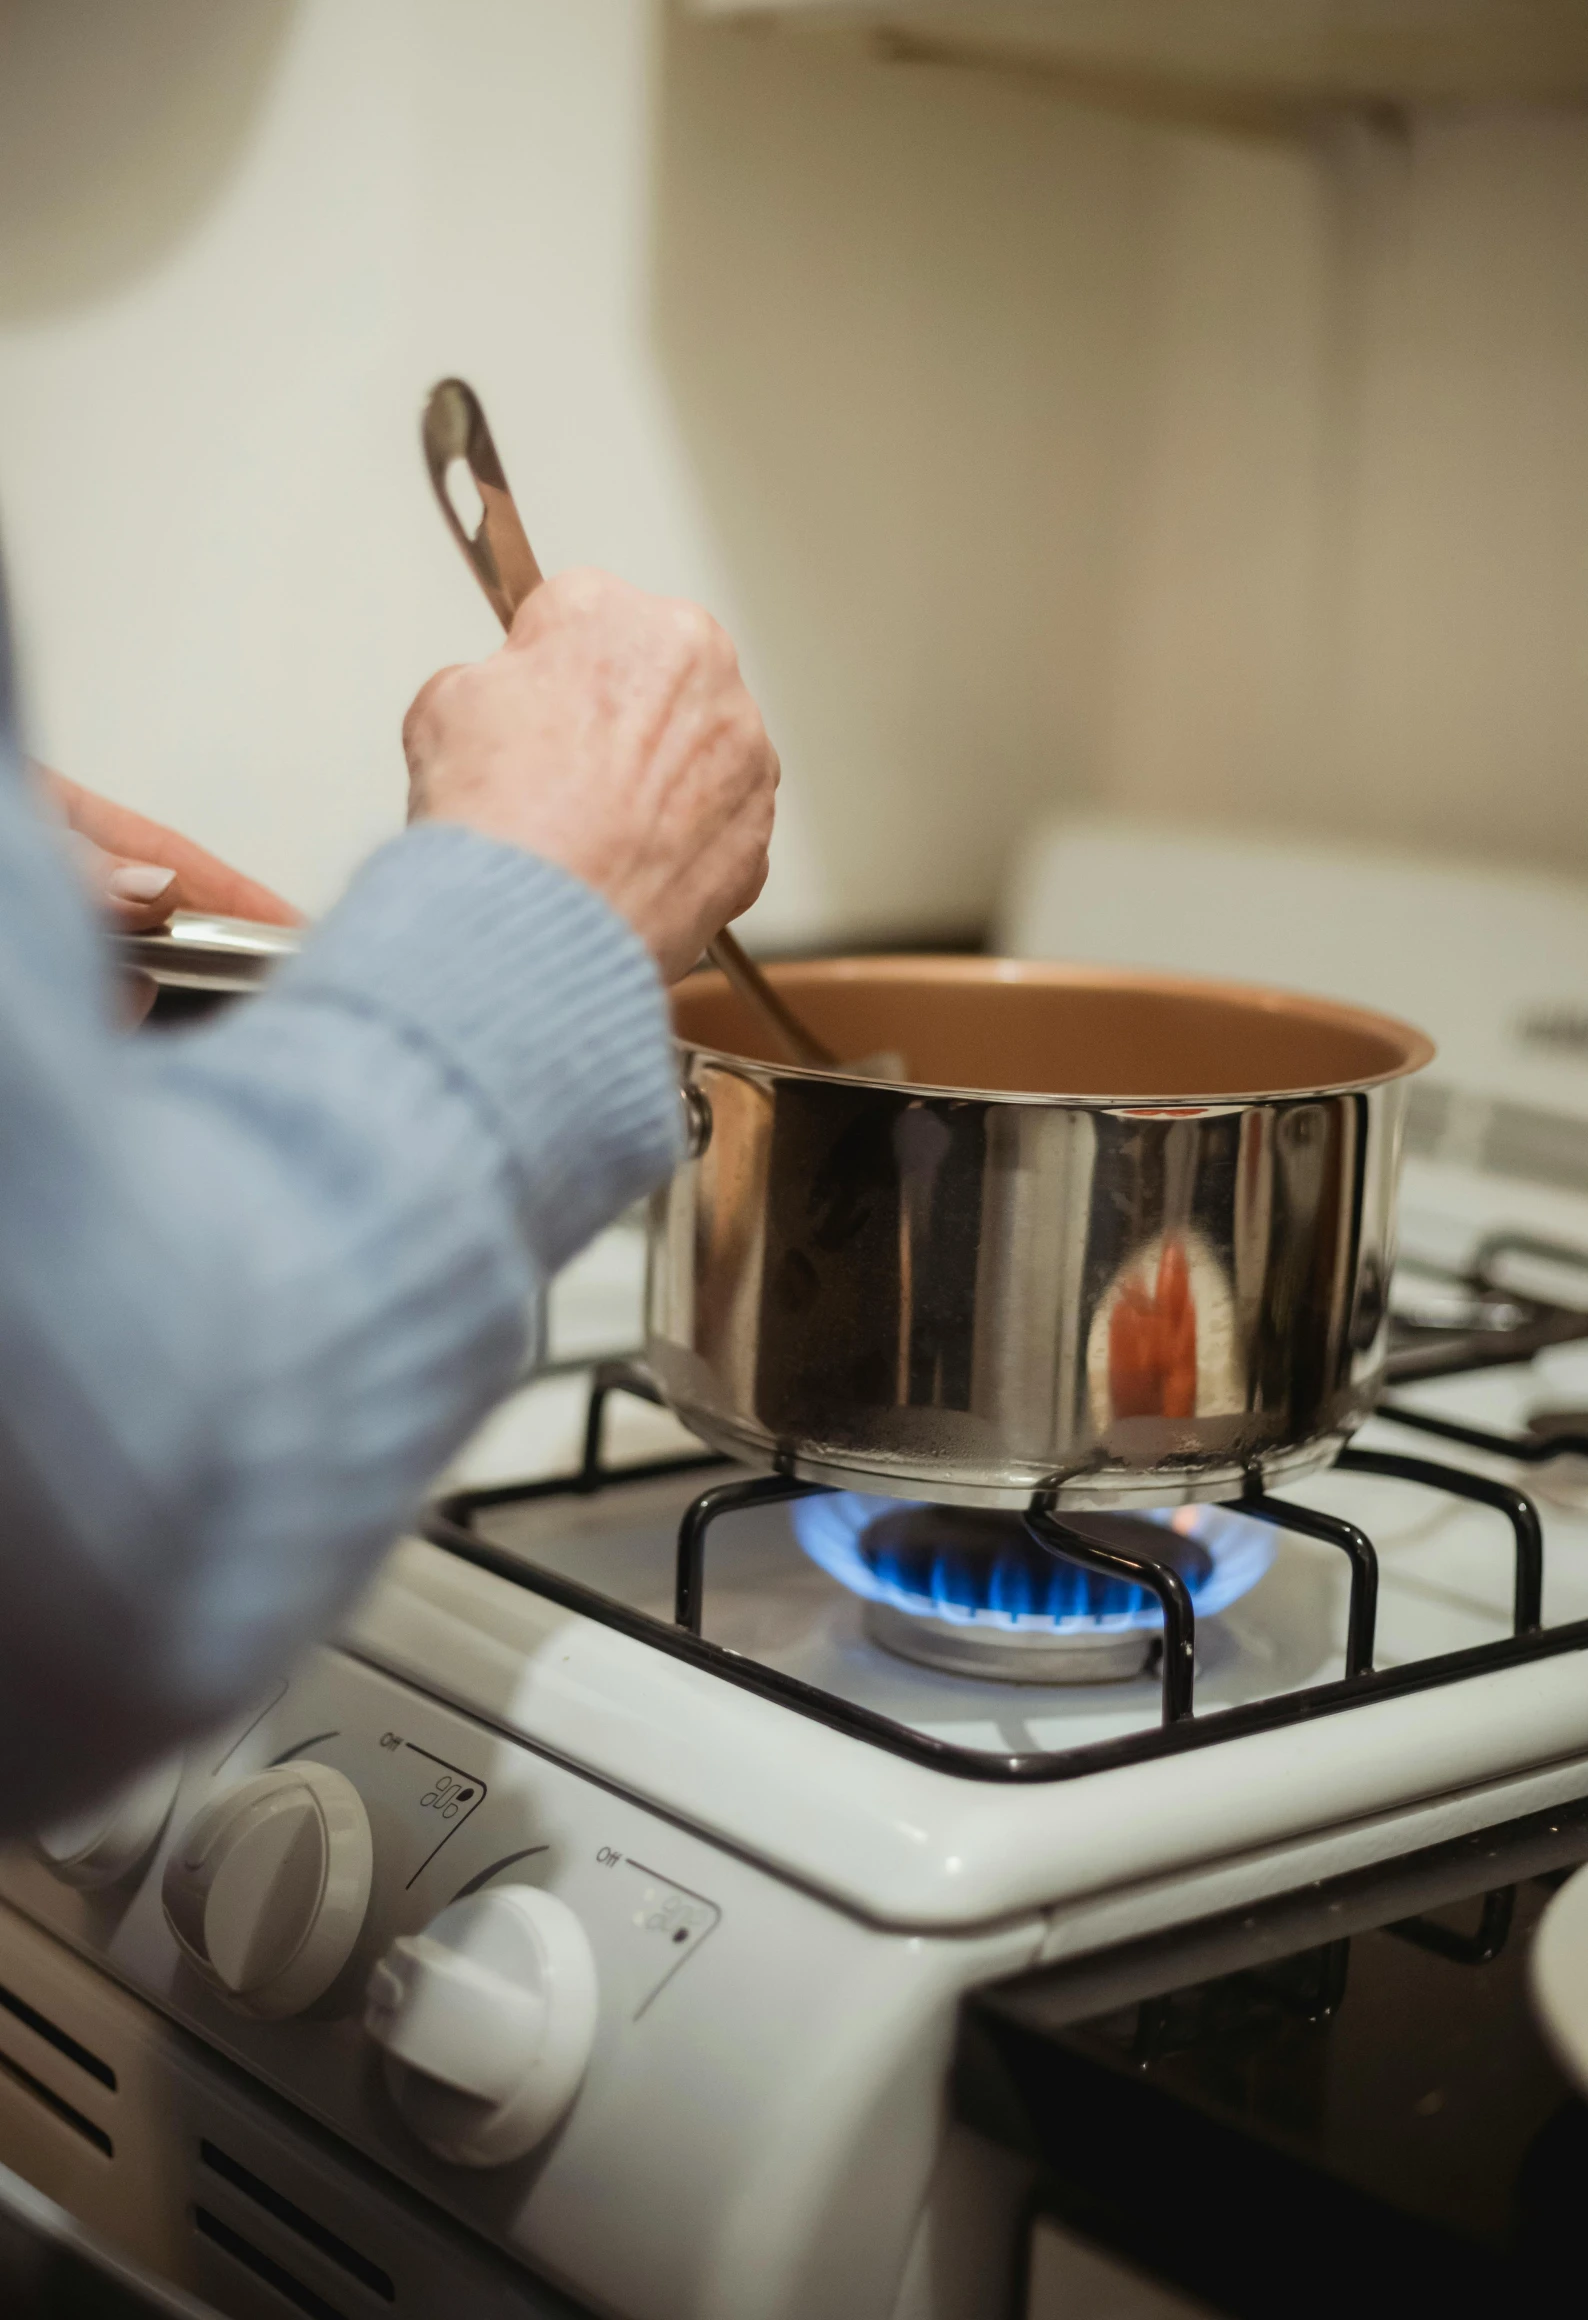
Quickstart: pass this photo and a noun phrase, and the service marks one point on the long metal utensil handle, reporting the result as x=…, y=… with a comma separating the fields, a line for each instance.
x=497, y=551
x=499, y=555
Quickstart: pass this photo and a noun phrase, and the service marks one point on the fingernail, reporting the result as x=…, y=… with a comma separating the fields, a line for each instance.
x=139, y=882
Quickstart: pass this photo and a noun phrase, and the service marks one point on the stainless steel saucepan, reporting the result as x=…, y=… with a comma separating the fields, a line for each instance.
x=1123, y=1238
x=1116, y=1238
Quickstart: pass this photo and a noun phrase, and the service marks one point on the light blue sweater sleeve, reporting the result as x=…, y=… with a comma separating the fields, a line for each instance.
x=260, y=1278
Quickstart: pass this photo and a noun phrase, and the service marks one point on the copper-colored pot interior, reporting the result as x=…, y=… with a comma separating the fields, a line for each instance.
x=1015, y=1028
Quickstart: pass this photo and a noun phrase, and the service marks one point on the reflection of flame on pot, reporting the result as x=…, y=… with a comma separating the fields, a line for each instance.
x=1152, y=1342
x=970, y=1589
x=1165, y=1349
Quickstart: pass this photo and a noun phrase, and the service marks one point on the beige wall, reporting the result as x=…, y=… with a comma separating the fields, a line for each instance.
x=1035, y=455
x=1356, y=584
x=214, y=340
x=837, y=351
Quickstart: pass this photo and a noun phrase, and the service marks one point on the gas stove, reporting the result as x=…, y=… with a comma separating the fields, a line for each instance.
x=655, y=1687
x=803, y=1774
x=1310, y=1625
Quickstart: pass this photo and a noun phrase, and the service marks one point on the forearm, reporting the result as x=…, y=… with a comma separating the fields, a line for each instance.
x=257, y=1283
x=279, y=1270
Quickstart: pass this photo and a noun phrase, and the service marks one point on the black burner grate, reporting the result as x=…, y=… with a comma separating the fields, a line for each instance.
x=1536, y=1325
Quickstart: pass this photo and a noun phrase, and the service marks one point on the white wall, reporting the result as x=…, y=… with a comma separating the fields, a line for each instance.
x=834, y=351
x=1034, y=455
x=228, y=575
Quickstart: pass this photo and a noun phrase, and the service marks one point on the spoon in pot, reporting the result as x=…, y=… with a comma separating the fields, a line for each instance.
x=498, y=553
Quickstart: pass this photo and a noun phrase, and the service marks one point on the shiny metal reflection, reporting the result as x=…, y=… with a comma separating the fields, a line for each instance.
x=1125, y=1242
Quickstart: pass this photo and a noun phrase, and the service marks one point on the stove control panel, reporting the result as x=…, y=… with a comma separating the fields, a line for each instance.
x=267, y=1886
x=487, y=2019
x=580, y=2025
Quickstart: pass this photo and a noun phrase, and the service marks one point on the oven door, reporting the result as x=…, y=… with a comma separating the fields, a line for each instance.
x=1066, y=2276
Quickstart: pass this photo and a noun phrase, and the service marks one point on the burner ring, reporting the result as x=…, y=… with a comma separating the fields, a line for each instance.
x=971, y=1591
x=1011, y=1655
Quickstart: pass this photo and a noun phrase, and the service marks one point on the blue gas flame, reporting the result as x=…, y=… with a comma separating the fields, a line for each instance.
x=1026, y=1590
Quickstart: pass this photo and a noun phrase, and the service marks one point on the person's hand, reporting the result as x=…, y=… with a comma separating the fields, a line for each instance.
x=611, y=734
x=140, y=872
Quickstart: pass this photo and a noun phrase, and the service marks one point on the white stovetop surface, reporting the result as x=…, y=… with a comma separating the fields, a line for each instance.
x=1471, y=956
x=905, y=1844
x=1445, y=1583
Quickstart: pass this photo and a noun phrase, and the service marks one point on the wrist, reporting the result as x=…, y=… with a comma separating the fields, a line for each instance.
x=542, y=842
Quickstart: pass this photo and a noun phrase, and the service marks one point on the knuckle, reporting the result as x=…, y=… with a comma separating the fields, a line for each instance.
x=426, y=705
x=580, y=586
x=755, y=747
x=583, y=592
x=537, y=612
x=694, y=627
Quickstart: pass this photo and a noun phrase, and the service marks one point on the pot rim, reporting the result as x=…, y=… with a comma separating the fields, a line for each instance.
x=1418, y=1050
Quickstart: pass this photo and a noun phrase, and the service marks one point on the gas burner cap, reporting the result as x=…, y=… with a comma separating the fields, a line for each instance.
x=1011, y=1655
x=970, y=1591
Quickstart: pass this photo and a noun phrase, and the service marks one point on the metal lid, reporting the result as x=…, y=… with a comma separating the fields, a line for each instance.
x=201, y=952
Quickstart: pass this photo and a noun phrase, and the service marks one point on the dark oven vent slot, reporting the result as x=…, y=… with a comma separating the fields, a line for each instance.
x=243, y=2251
x=286, y=2211
x=53, y=2035
x=58, y=2108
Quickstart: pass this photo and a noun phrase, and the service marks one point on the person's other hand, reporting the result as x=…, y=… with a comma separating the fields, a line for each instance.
x=140, y=872
x=611, y=734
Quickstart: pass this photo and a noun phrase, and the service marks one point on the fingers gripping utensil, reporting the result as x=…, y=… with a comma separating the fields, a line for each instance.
x=499, y=555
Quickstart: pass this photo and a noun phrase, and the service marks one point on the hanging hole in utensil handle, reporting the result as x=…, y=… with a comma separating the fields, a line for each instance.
x=463, y=496
x=492, y=538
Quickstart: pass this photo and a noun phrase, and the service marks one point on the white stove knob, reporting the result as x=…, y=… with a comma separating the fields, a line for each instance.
x=111, y=1839
x=267, y=1887
x=487, y=2018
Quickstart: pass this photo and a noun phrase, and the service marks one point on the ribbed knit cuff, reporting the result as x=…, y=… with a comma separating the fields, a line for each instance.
x=532, y=993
